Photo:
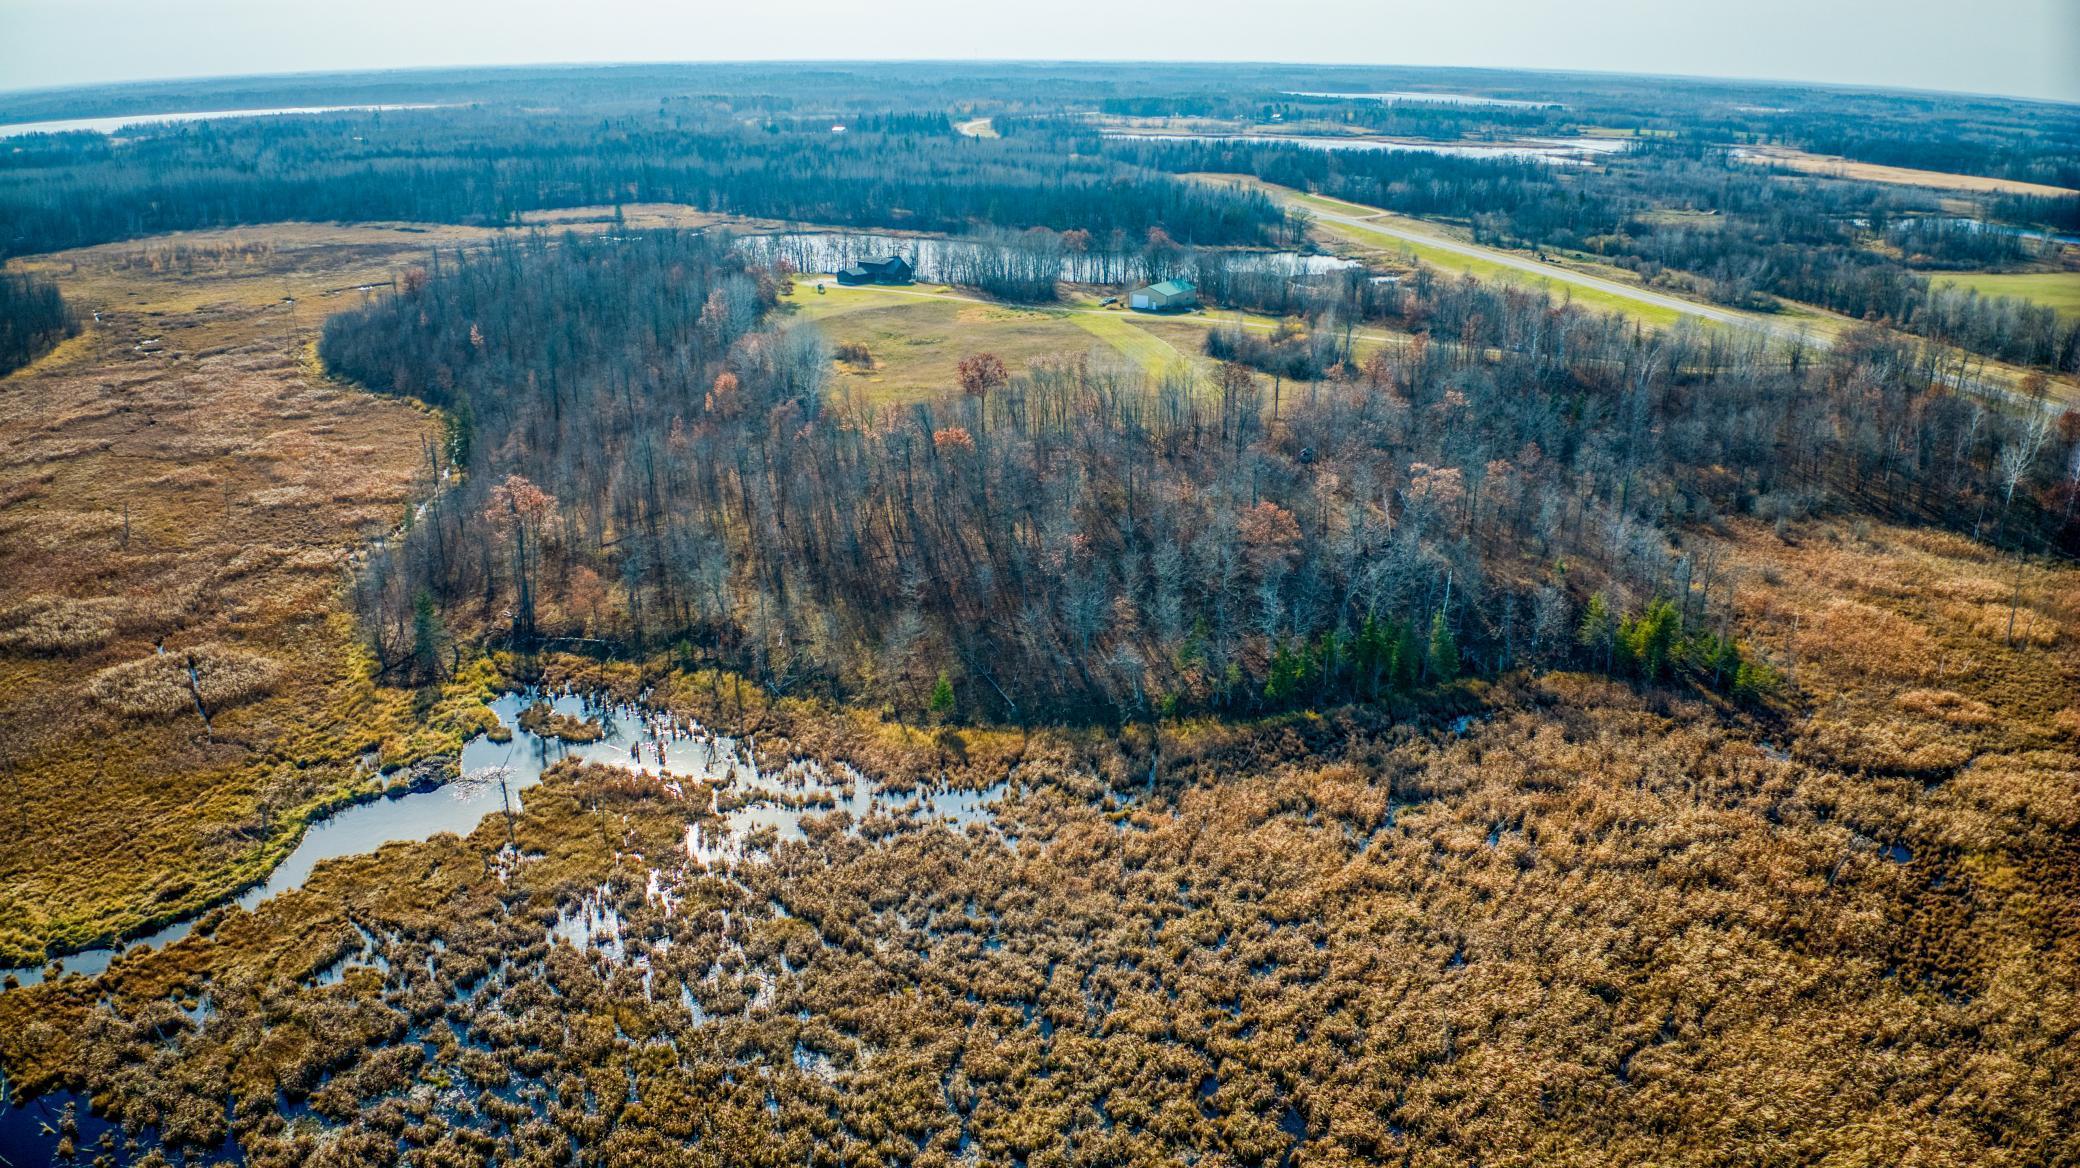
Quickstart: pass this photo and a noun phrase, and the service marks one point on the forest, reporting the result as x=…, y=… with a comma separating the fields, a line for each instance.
x=1073, y=539
x=1989, y=136
x=469, y=166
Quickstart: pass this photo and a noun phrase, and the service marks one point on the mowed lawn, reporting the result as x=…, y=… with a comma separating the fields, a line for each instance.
x=1152, y=353
x=2059, y=291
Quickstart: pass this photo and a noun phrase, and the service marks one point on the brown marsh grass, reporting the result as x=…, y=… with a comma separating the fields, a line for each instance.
x=157, y=495
x=1600, y=925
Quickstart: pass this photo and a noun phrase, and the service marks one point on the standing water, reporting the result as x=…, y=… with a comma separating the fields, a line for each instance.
x=632, y=737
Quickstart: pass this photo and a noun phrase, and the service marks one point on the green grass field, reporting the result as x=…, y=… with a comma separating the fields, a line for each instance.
x=918, y=335
x=2059, y=291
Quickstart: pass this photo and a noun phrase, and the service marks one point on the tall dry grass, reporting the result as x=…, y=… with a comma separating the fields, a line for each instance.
x=163, y=684
x=134, y=482
x=58, y=624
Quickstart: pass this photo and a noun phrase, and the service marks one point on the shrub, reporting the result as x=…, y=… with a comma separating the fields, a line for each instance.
x=2067, y=722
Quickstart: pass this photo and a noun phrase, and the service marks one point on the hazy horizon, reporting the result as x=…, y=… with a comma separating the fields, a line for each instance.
x=1914, y=45
x=665, y=62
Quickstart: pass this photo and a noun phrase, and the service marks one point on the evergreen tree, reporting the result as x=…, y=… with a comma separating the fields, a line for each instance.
x=1598, y=631
x=1288, y=667
x=1442, y=660
x=1648, y=641
x=426, y=637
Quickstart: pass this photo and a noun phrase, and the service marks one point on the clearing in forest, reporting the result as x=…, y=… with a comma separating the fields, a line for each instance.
x=915, y=337
x=1833, y=166
x=2058, y=291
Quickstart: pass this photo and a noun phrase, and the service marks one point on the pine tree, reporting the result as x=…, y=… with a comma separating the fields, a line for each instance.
x=1408, y=658
x=460, y=426
x=1287, y=669
x=1442, y=661
x=1647, y=641
x=1598, y=631
x=426, y=637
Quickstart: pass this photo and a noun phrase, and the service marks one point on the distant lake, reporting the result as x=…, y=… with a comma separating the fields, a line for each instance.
x=124, y=121
x=1407, y=95
x=1569, y=150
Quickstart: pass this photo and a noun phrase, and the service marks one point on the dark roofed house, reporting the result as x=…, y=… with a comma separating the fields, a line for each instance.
x=887, y=270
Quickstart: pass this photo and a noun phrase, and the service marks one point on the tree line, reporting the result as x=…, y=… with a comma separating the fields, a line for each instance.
x=33, y=318
x=1027, y=266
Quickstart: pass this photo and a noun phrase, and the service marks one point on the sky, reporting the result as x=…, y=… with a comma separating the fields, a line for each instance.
x=2026, y=48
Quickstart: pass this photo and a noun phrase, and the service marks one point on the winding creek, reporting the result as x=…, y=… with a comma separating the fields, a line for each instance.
x=633, y=737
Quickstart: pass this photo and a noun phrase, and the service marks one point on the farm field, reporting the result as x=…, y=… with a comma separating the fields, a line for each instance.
x=2055, y=290
x=1834, y=167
